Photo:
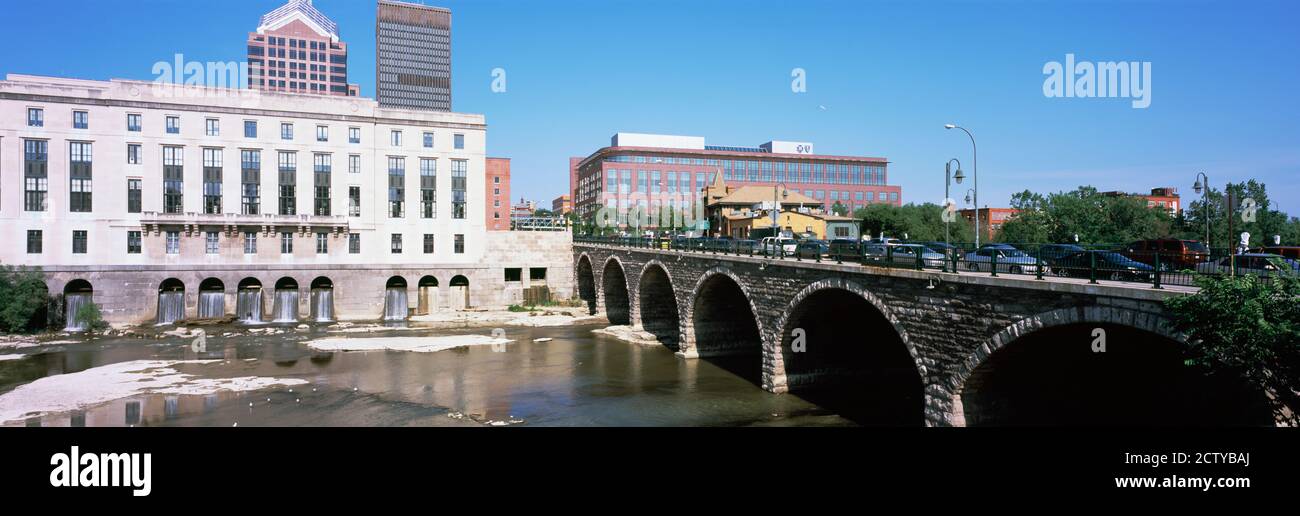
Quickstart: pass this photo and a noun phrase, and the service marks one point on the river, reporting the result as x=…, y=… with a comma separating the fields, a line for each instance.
x=577, y=378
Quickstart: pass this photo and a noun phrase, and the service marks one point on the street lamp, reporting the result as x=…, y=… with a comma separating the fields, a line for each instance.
x=776, y=206
x=1205, y=199
x=947, y=196
x=975, y=173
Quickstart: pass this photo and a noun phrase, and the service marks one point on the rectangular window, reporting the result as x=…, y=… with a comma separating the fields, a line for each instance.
x=396, y=246
x=322, y=133
x=80, y=120
x=322, y=243
x=354, y=243
x=514, y=274
x=250, y=242
x=396, y=138
x=173, y=179
x=212, y=127
x=35, y=118
x=173, y=242
x=396, y=186
x=79, y=174
x=133, y=122
x=459, y=244
x=173, y=125
x=428, y=243
x=132, y=154
x=537, y=273
x=33, y=241
x=428, y=140
x=286, y=131
x=428, y=188
x=354, y=164
x=354, y=201
x=35, y=174
x=458, y=184
x=134, y=196
x=250, y=128
x=212, y=242
x=286, y=243
x=459, y=140
x=250, y=176
x=212, y=172
x=354, y=135
x=322, y=169
x=78, y=242
x=132, y=242
x=288, y=183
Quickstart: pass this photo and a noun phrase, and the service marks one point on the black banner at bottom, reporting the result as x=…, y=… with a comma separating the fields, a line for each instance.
x=131, y=465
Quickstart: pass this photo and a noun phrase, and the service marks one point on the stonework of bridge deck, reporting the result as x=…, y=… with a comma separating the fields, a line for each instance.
x=899, y=325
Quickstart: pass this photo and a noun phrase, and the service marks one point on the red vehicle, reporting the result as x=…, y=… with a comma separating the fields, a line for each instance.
x=1174, y=254
x=1285, y=251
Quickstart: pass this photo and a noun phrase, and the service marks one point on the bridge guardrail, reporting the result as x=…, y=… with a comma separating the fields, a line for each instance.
x=1094, y=262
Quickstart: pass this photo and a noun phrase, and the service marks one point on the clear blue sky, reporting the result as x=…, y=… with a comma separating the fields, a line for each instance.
x=882, y=80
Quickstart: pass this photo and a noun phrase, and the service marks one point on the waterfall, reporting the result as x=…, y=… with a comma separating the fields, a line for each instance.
x=286, y=305
x=212, y=304
x=395, y=307
x=322, y=304
x=248, y=306
x=74, y=301
x=171, y=306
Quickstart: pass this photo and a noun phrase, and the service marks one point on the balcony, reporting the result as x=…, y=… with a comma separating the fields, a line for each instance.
x=192, y=222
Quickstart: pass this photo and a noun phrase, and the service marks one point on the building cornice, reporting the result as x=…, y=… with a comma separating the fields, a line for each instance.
x=274, y=113
x=606, y=151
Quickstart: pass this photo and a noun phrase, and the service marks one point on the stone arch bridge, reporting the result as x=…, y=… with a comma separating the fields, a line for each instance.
x=921, y=347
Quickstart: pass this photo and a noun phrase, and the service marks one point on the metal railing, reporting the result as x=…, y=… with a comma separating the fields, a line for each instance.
x=1094, y=262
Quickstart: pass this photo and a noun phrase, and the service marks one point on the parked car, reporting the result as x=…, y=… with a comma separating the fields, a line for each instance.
x=1174, y=254
x=1051, y=252
x=779, y=246
x=1259, y=264
x=1009, y=259
x=813, y=248
x=1109, y=265
x=845, y=248
x=745, y=245
x=884, y=241
x=902, y=255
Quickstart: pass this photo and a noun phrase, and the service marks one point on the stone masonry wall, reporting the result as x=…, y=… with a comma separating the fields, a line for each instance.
x=949, y=322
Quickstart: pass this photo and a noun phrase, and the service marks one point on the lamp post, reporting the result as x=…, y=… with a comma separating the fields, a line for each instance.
x=975, y=178
x=1203, y=181
x=947, y=196
x=776, y=206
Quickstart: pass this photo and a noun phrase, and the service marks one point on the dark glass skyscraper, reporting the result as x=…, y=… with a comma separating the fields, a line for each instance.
x=413, y=56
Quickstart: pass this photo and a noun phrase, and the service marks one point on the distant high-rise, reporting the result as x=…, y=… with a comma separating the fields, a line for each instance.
x=413, y=56
x=296, y=49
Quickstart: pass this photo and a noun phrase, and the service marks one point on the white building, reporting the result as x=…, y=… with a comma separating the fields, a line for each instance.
x=131, y=190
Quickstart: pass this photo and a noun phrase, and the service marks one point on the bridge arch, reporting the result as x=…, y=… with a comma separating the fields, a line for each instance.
x=618, y=309
x=586, y=282
x=723, y=319
x=1044, y=370
x=657, y=302
x=842, y=348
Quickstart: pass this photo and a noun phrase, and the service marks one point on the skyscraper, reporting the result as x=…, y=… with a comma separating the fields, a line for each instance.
x=413, y=56
x=296, y=49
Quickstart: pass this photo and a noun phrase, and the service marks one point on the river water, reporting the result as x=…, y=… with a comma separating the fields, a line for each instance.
x=575, y=379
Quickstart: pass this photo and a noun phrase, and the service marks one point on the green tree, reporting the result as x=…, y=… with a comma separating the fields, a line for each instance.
x=839, y=209
x=1093, y=216
x=1266, y=222
x=921, y=222
x=1247, y=326
x=24, y=299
